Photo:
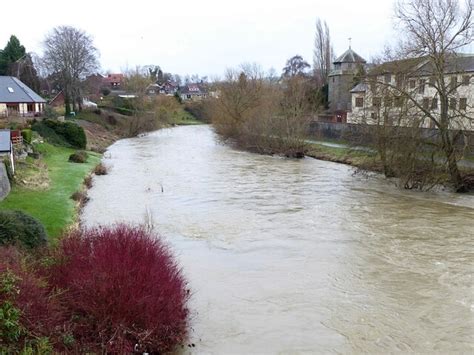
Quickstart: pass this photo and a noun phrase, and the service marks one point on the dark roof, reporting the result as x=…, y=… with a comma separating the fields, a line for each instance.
x=460, y=63
x=13, y=90
x=349, y=56
x=192, y=89
x=361, y=87
x=5, y=145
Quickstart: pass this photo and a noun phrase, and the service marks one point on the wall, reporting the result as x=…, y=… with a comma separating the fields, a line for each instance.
x=4, y=182
x=364, y=134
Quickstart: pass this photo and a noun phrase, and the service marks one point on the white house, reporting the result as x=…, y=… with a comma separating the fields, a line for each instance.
x=383, y=95
x=17, y=99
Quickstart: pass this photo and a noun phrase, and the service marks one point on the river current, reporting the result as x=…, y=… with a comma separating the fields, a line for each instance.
x=297, y=256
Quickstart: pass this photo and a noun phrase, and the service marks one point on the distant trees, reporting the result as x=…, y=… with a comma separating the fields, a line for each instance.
x=262, y=114
x=70, y=52
x=295, y=66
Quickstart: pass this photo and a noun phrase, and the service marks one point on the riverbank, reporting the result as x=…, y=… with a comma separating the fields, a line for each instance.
x=44, y=186
x=366, y=159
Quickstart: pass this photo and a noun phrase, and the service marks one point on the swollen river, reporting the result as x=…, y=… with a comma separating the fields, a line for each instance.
x=297, y=256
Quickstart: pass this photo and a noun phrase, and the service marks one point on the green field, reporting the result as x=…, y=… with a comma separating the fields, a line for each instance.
x=53, y=205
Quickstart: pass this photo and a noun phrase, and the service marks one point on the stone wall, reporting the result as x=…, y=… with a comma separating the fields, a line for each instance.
x=4, y=182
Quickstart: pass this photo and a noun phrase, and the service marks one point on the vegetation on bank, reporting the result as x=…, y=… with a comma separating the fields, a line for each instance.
x=105, y=290
x=43, y=186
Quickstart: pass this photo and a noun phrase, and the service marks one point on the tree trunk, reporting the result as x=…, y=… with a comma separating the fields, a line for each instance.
x=448, y=148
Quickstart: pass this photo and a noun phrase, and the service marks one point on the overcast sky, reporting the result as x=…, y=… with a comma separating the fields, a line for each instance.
x=202, y=36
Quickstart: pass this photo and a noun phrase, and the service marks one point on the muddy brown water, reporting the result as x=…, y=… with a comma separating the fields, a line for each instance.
x=297, y=256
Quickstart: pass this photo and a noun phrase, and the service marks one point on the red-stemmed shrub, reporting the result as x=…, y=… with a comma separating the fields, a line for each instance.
x=31, y=313
x=124, y=290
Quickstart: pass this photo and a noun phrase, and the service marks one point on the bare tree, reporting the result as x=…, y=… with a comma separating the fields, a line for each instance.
x=437, y=30
x=70, y=52
x=323, y=53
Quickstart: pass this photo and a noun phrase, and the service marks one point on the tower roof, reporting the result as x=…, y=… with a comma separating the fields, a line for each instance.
x=349, y=56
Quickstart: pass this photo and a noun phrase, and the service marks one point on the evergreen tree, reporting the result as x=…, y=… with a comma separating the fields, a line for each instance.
x=10, y=54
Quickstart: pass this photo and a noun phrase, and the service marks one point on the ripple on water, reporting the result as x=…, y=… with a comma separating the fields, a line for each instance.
x=295, y=256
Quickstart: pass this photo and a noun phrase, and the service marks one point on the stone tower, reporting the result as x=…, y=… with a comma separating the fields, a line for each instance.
x=341, y=80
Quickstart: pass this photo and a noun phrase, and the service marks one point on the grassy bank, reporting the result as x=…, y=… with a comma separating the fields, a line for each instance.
x=344, y=155
x=50, y=202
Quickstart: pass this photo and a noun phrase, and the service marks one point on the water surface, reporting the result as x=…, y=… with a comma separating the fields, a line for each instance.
x=297, y=256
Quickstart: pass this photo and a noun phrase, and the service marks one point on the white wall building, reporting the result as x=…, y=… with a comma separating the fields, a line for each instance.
x=386, y=93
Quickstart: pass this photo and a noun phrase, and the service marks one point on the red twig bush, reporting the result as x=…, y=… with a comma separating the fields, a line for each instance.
x=123, y=289
x=37, y=312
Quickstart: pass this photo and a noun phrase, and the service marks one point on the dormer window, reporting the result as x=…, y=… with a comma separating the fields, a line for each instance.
x=11, y=90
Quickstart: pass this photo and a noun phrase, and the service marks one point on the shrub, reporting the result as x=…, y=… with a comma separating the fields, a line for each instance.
x=78, y=157
x=62, y=133
x=124, y=111
x=100, y=169
x=88, y=181
x=80, y=196
x=17, y=227
x=124, y=289
x=49, y=134
x=31, y=318
x=27, y=135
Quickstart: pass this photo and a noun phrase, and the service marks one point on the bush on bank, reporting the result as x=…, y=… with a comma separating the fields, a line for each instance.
x=19, y=228
x=105, y=290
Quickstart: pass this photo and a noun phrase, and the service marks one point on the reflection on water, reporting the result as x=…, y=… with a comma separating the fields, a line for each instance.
x=297, y=256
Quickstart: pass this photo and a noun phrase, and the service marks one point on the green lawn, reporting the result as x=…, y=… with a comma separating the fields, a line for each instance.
x=53, y=206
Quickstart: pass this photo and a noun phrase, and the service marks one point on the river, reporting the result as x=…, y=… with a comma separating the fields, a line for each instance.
x=297, y=256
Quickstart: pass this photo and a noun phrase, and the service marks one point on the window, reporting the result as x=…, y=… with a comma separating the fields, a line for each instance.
x=412, y=84
x=376, y=101
x=387, y=101
x=387, y=78
x=463, y=103
x=11, y=89
x=30, y=107
x=426, y=103
x=452, y=103
x=359, y=102
x=421, y=88
x=465, y=79
x=453, y=83
x=399, y=80
x=432, y=81
x=398, y=101
x=434, y=104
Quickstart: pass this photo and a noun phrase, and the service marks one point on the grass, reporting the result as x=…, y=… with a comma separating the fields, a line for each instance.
x=340, y=154
x=53, y=205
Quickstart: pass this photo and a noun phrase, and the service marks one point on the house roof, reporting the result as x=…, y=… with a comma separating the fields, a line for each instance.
x=5, y=145
x=460, y=63
x=13, y=90
x=114, y=78
x=361, y=87
x=192, y=89
x=349, y=56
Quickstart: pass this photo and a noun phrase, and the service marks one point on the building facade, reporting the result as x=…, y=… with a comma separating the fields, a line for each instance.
x=341, y=80
x=405, y=91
